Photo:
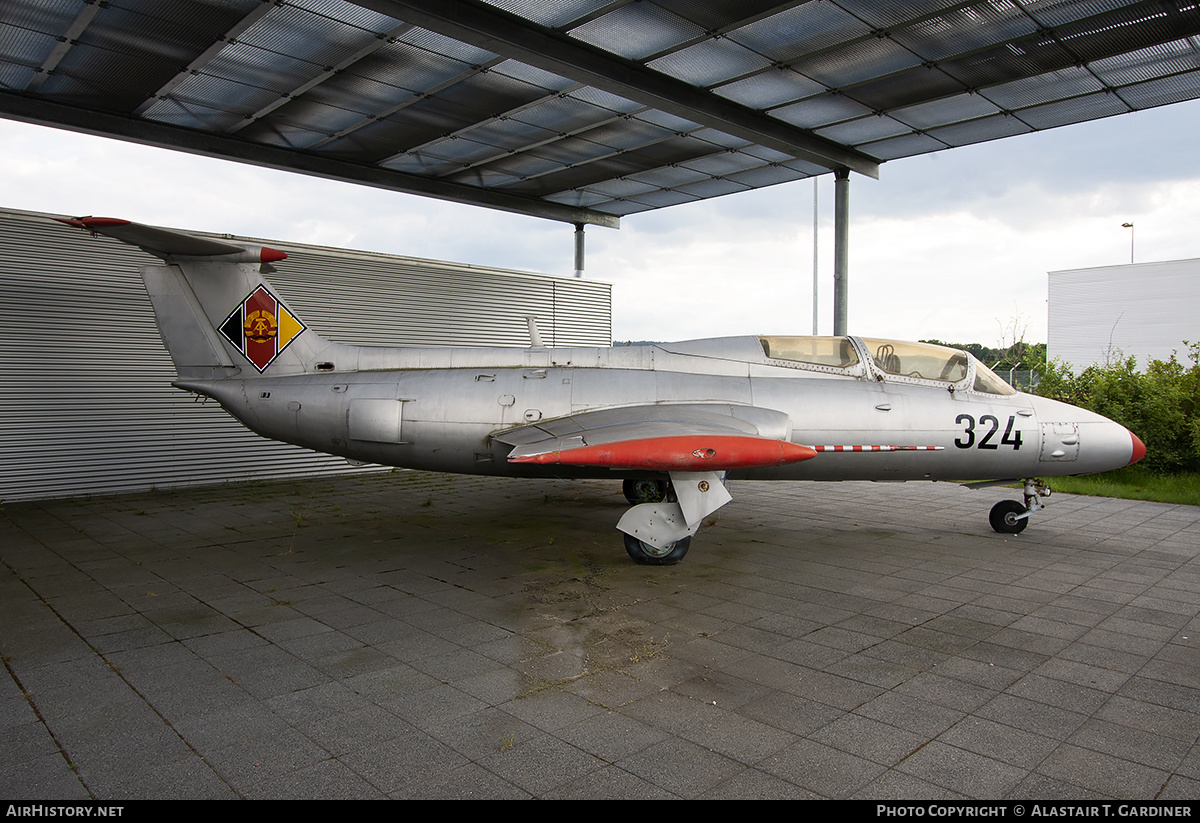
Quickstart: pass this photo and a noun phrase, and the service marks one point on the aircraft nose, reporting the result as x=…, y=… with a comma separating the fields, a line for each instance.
x=1139, y=448
x=1078, y=441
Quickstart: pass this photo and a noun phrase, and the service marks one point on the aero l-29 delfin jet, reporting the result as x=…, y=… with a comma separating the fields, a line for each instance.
x=672, y=420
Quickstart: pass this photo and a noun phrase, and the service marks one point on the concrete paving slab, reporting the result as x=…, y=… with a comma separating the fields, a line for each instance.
x=429, y=636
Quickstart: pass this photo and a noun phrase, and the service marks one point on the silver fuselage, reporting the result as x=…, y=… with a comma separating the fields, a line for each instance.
x=442, y=409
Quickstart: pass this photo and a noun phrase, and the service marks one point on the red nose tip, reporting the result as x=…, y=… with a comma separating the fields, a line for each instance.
x=1139, y=449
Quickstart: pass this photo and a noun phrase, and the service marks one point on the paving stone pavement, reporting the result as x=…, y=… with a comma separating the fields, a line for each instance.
x=412, y=635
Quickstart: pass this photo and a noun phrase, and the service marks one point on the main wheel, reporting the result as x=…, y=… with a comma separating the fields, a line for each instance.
x=1004, y=517
x=645, y=489
x=648, y=555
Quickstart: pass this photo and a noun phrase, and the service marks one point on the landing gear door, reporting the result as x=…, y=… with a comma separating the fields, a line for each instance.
x=1060, y=443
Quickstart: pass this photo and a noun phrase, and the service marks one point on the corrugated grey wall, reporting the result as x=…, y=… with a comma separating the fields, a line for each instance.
x=86, y=405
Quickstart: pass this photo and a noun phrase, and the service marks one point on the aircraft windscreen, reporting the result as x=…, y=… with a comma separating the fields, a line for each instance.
x=988, y=382
x=820, y=351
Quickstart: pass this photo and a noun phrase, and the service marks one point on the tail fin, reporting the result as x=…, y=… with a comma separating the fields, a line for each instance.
x=216, y=311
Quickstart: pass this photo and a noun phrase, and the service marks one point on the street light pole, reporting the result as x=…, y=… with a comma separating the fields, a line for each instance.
x=1130, y=227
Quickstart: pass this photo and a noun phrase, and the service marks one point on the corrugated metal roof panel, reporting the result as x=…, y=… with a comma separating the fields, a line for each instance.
x=1161, y=92
x=554, y=13
x=770, y=88
x=1146, y=64
x=945, y=111
x=637, y=30
x=864, y=130
x=854, y=63
x=714, y=187
x=710, y=62
x=803, y=29
x=964, y=29
x=906, y=145
x=358, y=88
x=1055, y=85
x=821, y=111
x=981, y=130
x=770, y=175
x=1075, y=110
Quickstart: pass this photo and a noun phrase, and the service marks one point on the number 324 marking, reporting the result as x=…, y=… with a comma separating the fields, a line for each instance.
x=1009, y=438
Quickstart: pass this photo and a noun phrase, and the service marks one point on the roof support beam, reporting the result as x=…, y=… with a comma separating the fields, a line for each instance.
x=106, y=124
x=511, y=36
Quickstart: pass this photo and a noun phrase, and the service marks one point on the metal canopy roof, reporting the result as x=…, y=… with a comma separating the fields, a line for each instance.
x=585, y=110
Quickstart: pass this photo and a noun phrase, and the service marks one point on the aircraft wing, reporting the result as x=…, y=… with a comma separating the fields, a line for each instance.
x=676, y=437
x=695, y=443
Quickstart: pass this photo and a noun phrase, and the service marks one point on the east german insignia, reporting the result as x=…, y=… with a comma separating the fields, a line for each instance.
x=260, y=328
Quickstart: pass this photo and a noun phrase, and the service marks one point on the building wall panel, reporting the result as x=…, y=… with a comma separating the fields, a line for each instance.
x=1143, y=310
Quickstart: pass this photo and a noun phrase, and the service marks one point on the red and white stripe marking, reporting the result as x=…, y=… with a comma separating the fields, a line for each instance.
x=823, y=449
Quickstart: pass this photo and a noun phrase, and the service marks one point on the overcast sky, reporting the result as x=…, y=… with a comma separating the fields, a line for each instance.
x=954, y=245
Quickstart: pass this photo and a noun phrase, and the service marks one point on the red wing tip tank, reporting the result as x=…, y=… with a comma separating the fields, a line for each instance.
x=672, y=421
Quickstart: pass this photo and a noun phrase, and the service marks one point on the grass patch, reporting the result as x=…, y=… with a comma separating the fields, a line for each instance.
x=1135, y=483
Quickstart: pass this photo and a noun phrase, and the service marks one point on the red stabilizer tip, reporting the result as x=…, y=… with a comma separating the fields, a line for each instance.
x=92, y=222
x=271, y=255
x=1139, y=449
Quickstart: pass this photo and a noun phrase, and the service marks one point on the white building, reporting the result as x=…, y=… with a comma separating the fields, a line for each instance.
x=1142, y=310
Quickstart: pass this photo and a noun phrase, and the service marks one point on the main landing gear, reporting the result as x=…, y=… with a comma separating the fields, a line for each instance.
x=1011, y=516
x=666, y=513
x=639, y=490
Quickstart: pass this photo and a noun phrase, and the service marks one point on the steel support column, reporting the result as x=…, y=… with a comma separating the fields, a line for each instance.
x=841, y=249
x=579, y=249
x=816, y=290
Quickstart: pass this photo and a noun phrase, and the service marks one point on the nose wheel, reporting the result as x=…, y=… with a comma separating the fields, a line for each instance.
x=1012, y=516
x=1009, y=517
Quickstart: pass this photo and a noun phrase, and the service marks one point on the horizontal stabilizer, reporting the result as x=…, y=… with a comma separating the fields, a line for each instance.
x=168, y=244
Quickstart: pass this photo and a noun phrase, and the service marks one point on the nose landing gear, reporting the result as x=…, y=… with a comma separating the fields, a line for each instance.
x=1010, y=516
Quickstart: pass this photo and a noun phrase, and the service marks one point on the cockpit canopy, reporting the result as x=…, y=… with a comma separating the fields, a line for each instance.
x=921, y=360
x=889, y=359
x=837, y=352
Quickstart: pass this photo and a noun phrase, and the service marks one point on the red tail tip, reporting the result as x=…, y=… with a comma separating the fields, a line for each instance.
x=1139, y=449
x=271, y=255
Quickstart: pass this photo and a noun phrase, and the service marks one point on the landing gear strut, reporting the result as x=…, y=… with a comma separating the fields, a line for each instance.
x=1010, y=516
x=645, y=489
